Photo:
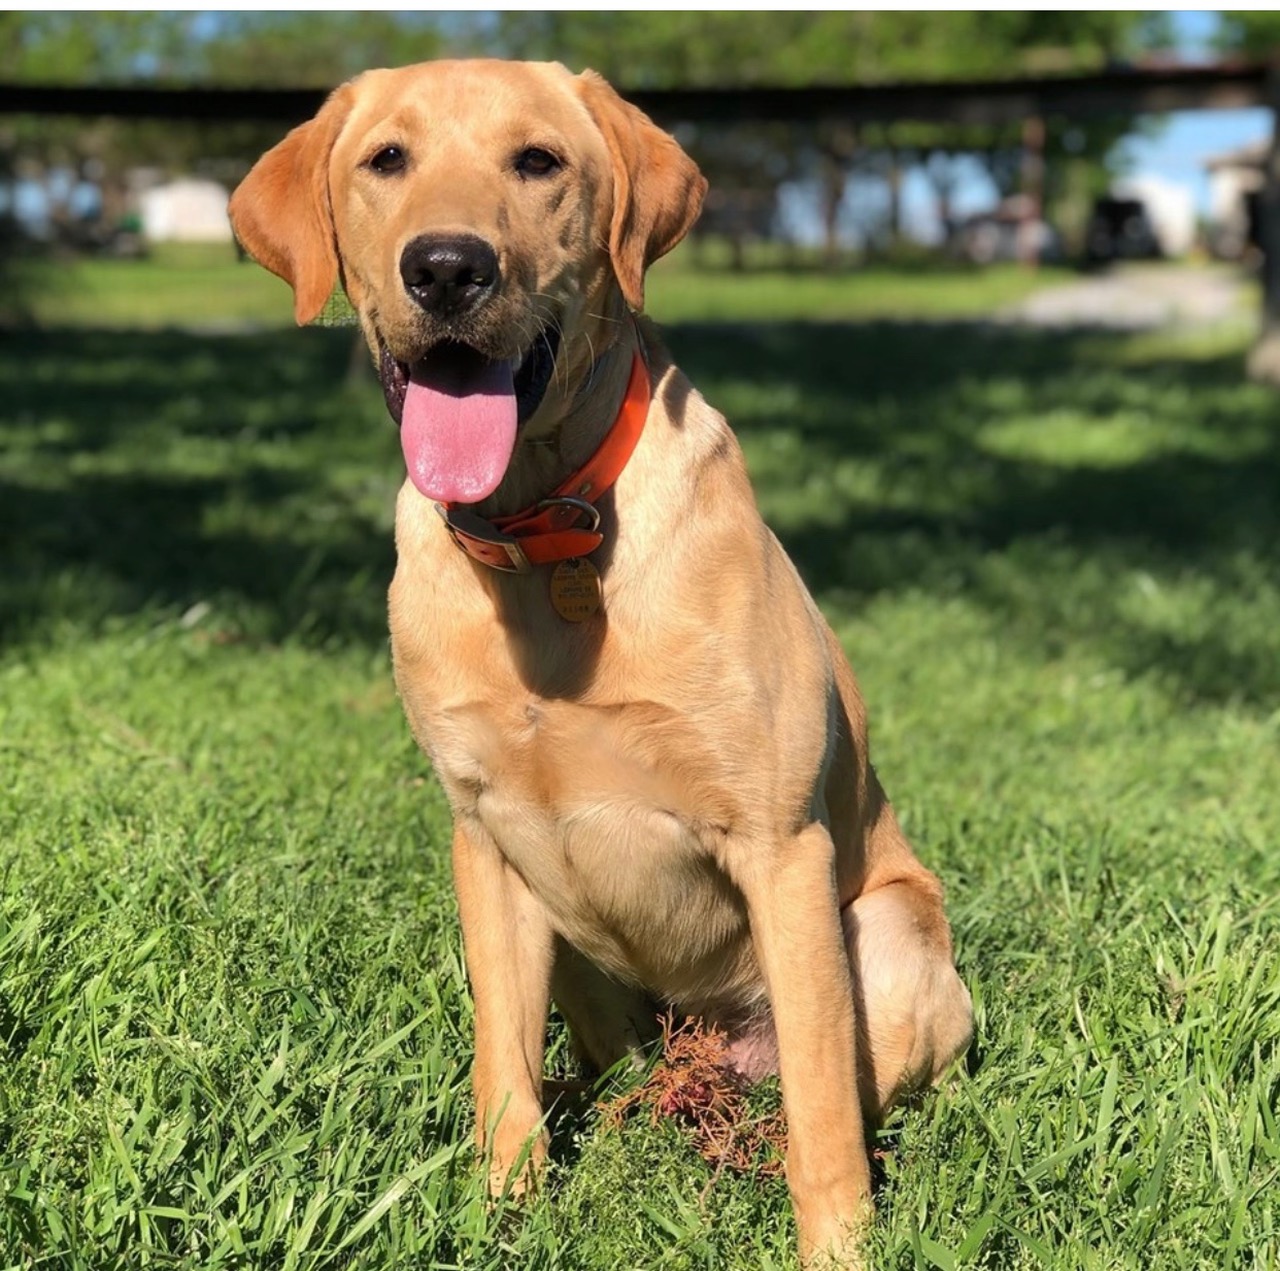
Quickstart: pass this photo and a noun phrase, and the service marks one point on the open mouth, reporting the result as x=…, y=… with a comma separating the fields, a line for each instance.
x=459, y=413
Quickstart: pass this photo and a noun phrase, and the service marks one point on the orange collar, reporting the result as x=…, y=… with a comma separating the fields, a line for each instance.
x=546, y=532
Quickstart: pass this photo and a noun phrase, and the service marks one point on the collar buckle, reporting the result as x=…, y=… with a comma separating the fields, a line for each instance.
x=475, y=536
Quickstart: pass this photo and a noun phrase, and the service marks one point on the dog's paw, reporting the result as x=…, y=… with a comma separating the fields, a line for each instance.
x=836, y=1244
x=515, y=1167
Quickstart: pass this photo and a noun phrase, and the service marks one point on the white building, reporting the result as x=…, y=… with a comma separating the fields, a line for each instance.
x=1235, y=183
x=186, y=210
x=1170, y=207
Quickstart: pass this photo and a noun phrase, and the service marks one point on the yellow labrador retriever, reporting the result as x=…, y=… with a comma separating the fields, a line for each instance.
x=653, y=746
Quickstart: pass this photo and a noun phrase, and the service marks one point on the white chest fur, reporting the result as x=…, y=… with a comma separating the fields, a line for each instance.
x=614, y=844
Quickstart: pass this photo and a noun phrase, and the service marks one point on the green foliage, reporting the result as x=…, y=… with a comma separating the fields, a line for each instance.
x=1253, y=31
x=234, y=1026
x=272, y=49
x=320, y=49
x=644, y=49
x=633, y=48
x=292, y=49
x=798, y=47
x=80, y=48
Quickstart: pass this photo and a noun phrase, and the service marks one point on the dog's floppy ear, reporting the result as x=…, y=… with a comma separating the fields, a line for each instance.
x=657, y=188
x=280, y=212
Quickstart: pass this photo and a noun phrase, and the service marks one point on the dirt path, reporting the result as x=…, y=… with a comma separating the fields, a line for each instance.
x=1137, y=297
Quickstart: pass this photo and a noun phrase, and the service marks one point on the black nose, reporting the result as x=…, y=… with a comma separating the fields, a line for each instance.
x=449, y=275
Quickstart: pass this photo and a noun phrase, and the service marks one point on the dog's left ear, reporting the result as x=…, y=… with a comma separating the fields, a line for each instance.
x=657, y=188
x=281, y=214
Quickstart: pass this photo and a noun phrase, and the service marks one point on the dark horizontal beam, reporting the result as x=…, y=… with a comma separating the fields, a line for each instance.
x=1122, y=91
x=290, y=105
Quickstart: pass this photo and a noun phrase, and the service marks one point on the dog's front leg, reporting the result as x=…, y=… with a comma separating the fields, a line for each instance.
x=795, y=928
x=509, y=950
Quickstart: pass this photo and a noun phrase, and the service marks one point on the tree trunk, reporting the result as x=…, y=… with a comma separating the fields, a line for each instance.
x=938, y=172
x=833, y=186
x=838, y=144
x=1264, y=358
x=1032, y=190
x=893, y=178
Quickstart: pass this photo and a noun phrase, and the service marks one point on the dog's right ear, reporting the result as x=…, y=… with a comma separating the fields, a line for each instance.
x=281, y=213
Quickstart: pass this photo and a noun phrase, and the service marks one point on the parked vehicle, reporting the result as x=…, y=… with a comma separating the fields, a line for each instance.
x=1120, y=229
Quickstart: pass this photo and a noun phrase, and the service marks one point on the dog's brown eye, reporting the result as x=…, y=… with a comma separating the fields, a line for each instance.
x=534, y=162
x=389, y=159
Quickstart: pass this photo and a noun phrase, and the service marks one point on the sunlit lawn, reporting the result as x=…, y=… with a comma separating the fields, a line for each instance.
x=234, y=1025
x=204, y=286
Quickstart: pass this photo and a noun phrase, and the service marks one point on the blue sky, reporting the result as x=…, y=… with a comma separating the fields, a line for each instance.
x=1178, y=151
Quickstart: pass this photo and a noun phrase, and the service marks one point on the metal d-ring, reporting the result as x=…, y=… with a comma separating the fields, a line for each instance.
x=581, y=506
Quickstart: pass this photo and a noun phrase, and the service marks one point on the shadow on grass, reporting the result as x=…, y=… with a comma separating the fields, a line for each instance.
x=1073, y=488
x=165, y=471
x=1079, y=491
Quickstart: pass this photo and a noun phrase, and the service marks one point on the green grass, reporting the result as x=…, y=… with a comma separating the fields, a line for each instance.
x=677, y=292
x=205, y=287
x=234, y=1024
x=193, y=285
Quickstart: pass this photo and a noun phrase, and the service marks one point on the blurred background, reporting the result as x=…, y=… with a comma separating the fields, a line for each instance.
x=907, y=189
x=958, y=144
x=990, y=301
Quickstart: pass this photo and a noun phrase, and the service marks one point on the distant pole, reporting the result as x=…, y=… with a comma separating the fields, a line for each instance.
x=1264, y=358
x=1032, y=190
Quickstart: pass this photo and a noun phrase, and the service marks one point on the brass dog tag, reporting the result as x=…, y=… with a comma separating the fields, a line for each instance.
x=575, y=589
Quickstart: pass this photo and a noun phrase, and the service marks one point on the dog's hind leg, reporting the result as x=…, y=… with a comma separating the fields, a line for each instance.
x=915, y=1017
x=607, y=1021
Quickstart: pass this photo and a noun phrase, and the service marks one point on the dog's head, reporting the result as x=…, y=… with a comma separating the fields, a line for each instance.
x=487, y=220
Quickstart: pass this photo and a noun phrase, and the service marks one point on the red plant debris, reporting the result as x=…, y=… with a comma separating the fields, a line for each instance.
x=693, y=1085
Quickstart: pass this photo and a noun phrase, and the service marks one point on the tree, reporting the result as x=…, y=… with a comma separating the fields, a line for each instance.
x=1257, y=34
x=318, y=49
x=298, y=49
x=633, y=49
x=637, y=49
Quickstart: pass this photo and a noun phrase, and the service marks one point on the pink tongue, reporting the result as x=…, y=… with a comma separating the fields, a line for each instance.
x=458, y=432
